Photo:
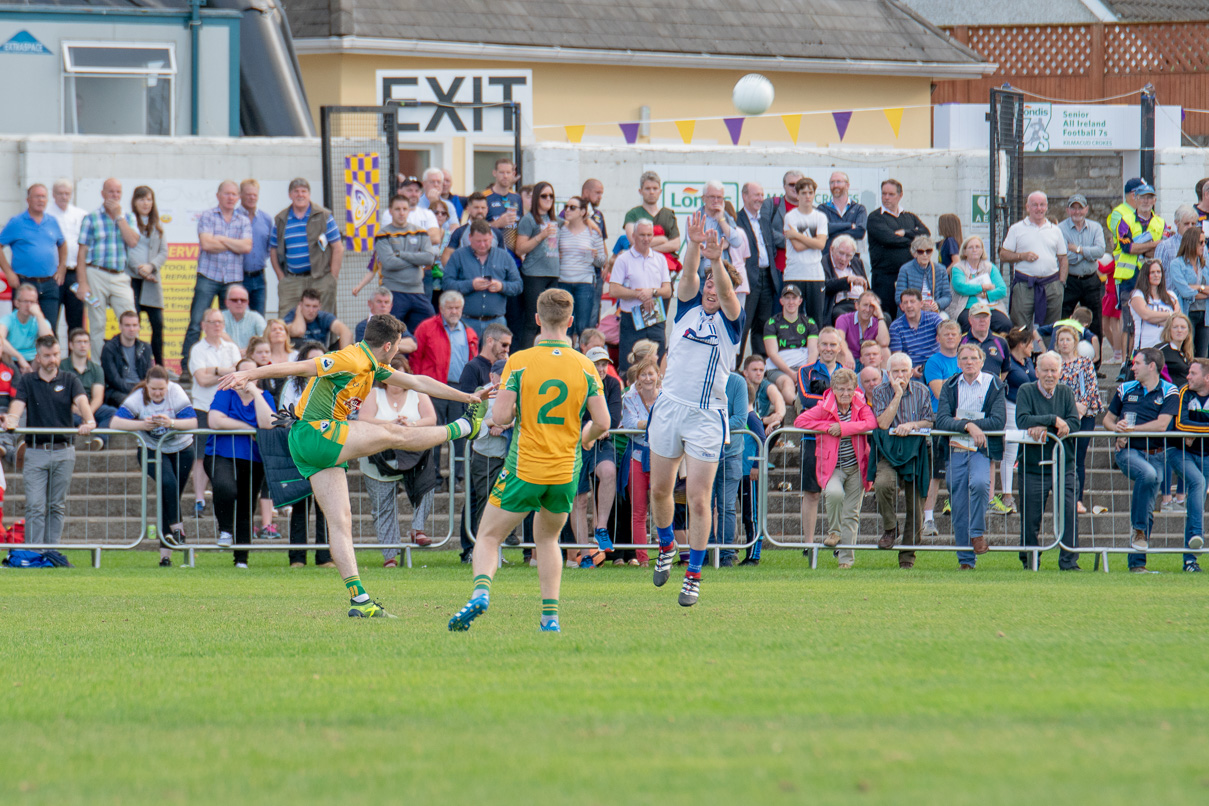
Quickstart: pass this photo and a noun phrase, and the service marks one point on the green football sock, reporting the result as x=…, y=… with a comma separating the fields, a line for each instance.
x=482, y=587
x=355, y=588
x=458, y=428
x=549, y=608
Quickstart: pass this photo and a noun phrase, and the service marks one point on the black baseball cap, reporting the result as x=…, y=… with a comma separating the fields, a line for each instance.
x=791, y=288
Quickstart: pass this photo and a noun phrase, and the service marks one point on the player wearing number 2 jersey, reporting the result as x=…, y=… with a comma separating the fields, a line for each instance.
x=546, y=389
x=322, y=440
x=689, y=416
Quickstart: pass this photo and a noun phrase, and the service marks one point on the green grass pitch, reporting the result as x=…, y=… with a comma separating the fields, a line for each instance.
x=133, y=684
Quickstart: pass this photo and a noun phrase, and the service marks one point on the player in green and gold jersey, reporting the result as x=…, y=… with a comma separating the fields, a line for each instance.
x=323, y=440
x=546, y=389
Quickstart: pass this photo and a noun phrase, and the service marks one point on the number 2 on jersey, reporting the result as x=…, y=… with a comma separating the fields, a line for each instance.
x=543, y=414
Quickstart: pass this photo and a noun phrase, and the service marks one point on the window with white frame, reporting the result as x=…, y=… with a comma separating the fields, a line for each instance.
x=119, y=88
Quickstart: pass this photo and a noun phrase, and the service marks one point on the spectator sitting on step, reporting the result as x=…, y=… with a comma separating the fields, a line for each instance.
x=239, y=321
x=21, y=328
x=124, y=360
x=380, y=303
x=92, y=378
x=308, y=323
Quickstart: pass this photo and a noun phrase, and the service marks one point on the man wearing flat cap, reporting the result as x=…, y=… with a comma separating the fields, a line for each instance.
x=1084, y=246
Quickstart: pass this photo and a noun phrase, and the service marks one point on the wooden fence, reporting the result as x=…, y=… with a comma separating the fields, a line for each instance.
x=1091, y=62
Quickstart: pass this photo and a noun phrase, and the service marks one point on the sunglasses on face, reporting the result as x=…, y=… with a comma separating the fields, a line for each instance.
x=577, y=207
x=546, y=196
x=923, y=251
x=238, y=299
x=442, y=212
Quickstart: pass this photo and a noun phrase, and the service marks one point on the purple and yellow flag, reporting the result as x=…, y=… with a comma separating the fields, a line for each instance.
x=362, y=180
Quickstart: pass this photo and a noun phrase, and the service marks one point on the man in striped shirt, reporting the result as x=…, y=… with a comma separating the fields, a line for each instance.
x=902, y=406
x=105, y=235
x=306, y=250
x=914, y=332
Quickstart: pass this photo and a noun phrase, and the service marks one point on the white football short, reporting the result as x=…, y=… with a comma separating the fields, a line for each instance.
x=675, y=429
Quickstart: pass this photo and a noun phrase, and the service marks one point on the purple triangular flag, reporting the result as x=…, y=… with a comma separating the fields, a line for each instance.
x=630, y=130
x=841, y=122
x=735, y=127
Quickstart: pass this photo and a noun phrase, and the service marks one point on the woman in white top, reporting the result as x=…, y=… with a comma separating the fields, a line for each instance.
x=403, y=407
x=1151, y=305
x=158, y=410
x=805, y=237
x=581, y=254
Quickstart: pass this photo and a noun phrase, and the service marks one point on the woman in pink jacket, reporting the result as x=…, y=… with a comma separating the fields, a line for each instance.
x=842, y=419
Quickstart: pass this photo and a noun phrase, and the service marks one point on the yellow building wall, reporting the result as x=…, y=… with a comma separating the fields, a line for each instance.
x=573, y=94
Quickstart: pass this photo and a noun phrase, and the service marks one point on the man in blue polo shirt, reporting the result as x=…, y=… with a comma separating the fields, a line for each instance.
x=39, y=251
x=305, y=249
x=1147, y=403
x=995, y=348
x=914, y=331
x=255, y=261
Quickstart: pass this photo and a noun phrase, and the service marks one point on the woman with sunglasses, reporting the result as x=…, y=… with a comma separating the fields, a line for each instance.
x=922, y=274
x=581, y=254
x=537, y=244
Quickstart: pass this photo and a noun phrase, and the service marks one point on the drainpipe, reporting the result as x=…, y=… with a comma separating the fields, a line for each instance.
x=194, y=63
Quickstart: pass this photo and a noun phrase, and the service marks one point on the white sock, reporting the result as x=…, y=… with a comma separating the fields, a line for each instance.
x=362, y=599
x=928, y=514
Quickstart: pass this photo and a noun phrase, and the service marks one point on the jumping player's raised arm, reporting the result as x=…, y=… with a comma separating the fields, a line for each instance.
x=728, y=300
x=690, y=280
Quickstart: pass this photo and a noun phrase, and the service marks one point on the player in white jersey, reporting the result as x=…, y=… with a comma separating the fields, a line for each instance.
x=689, y=416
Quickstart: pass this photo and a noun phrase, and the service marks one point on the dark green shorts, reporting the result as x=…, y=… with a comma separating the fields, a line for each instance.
x=511, y=494
x=316, y=445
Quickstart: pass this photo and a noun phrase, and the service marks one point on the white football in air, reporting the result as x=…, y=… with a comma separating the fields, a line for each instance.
x=753, y=94
x=1086, y=350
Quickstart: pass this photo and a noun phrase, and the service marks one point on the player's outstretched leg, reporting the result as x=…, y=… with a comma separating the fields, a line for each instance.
x=366, y=439
x=331, y=493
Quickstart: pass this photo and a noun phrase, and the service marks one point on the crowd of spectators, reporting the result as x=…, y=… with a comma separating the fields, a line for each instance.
x=868, y=354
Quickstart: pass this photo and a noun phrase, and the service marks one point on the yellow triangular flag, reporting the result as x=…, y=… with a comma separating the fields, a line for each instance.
x=685, y=127
x=793, y=123
x=895, y=116
x=575, y=133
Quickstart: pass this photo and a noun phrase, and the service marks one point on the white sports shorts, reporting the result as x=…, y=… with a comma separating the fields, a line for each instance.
x=676, y=429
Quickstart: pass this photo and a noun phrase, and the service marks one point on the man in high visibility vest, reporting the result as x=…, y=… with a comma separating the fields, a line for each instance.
x=1135, y=231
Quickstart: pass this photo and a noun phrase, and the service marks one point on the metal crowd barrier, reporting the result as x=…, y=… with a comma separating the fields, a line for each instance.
x=1119, y=496
x=360, y=506
x=621, y=510
x=790, y=438
x=101, y=518
x=90, y=497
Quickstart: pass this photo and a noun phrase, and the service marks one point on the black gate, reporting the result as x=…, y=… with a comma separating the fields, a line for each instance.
x=1007, y=164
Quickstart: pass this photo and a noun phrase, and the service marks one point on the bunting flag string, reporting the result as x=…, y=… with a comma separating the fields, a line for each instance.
x=685, y=127
x=793, y=124
x=895, y=116
x=735, y=127
x=841, y=123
